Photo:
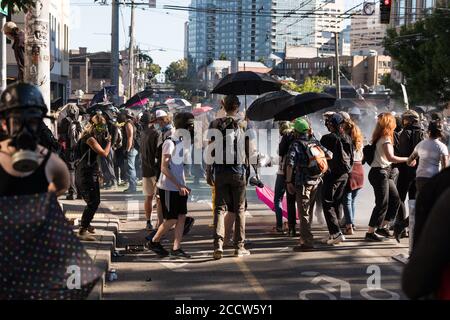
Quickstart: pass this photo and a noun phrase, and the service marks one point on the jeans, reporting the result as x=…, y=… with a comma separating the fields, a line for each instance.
x=280, y=189
x=349, y=206
x=387, y=199
x=229, y=197
x=332, y=192
x=88, y=185
x=305, y=196
x=131, y=169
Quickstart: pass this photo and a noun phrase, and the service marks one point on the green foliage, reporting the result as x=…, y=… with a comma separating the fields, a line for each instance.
x=422, y=54
x=311, y=84
x=223, y=57
x=177, y=70
x=17, y=5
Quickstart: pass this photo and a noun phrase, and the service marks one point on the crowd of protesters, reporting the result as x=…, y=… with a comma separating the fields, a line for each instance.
x=104, y=149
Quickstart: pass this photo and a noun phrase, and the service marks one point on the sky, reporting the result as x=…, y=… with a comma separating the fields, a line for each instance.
x=156, y=29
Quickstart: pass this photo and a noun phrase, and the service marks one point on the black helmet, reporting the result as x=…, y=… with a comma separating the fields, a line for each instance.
x=127, y=113
x=21, y=95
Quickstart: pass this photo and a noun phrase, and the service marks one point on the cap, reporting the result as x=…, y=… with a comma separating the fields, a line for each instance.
x=336, y=119
x=411, y=114
x=9, y=27
x=301, y=125
x=345, y=115
x=355, y=111
x=160, y=114
x=328, y=114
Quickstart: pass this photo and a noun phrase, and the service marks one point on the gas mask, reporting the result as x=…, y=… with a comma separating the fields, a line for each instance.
x=100, y=131
x=24, y=134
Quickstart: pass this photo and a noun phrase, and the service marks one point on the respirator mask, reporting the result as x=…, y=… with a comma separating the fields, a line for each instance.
x=24, y=133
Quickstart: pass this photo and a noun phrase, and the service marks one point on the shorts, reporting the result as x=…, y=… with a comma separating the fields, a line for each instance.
x=172, y=204
x=149, y=186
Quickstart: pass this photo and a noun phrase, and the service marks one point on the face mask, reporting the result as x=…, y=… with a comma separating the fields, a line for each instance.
x=24, y=138
x=156, y=126
x=166, y=128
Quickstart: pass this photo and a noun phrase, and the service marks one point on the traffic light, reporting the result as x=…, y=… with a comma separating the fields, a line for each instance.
x=385, y=11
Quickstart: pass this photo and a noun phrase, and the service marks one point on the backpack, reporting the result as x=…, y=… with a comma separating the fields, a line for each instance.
x=369, y=153
x=345, y=164
x=317, y=164
x=231, y=133
x=79, y=155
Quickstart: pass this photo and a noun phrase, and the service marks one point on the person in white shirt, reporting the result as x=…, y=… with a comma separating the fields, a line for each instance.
x=432, y=155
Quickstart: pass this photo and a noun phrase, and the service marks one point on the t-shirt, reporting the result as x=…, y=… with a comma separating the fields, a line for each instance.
x=380, y=160
x=174, y=148
x=430, y=152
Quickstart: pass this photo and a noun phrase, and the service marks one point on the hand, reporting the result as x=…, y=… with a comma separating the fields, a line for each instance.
x=210, y=180
x=108, y=138
x=412, y=163
x=290, y=188
x=184, y=191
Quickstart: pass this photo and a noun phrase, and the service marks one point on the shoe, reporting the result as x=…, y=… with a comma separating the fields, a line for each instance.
x=228, y=244
x=69, y=196
x=325, y=240
x=83, y=235
x=149, y=238
x=384, y=232
x=349, y=231
x=128, y=191
x=303, y=247
x=157, y=248
x=399, y=229
x=337, y=239
x=91, y=229
x=372, y=237
x=292, y=232
x=149, y=226
x=280, y=230
x=218, y=253
x=241, y=252
x=188, y=225
x=179, y=253
x=79, y=197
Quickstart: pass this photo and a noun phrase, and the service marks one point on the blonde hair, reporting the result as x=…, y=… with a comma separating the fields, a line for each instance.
x=355, y=133
x=89, y=128
x=385, y=127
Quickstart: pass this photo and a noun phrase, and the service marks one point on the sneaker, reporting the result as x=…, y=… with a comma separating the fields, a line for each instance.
x=372, y=237
x=218, y=253
x=149, y=238
x=292, y=232
x=79, y=197
x=188, y=225
x=336, y=239
x=128, y=191
x=279, y=230
x=241, y=252
x=384, y=232
x=149, y=226
x=83, y=235
x=157, y=248
x=70, y=196
x=228, y=244
x=303, y=247
x=325, y=240
x=91, y=229
x=179, y=253
x=399, y=229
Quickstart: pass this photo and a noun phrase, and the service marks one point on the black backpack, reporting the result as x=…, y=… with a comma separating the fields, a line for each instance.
x=229, y=127
x=369, y=153
x=345, y=164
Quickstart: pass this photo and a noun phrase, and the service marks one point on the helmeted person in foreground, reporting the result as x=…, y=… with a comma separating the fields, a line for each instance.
x=26, y=167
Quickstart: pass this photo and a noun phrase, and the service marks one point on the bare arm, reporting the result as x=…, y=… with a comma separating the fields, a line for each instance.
x=129, y=130
x=444, y=162
x=92, y=142
x=388, y=150
x=58, y=175
x=412, y=157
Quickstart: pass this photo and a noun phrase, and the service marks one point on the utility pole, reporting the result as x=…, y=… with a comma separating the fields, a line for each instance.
x=338, y=76
x=3, y=54
x=131, y=54
x=87, y=75
x=115, y=48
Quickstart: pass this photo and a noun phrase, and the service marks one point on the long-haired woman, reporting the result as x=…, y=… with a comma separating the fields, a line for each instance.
x=381, y=177
x=356, y=176
x=87, y=170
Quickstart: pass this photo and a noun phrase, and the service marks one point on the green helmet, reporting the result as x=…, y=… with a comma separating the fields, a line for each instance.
x=301, y=125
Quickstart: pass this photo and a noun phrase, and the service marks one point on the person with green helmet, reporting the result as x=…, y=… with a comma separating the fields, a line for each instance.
x=306, y=164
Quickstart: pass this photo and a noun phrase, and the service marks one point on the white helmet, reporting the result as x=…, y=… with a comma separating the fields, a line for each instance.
x=355, y=111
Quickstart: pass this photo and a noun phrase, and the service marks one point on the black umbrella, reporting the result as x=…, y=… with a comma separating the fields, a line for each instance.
x=246, y=83
x=289, y=108
x=264, y=107
x=138, y=97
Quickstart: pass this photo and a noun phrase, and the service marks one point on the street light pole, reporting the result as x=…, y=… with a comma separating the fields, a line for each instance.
x=338, y=77
x=131, y=53
x=115, y=48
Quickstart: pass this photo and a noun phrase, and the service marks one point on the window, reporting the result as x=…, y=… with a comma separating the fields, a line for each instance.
x=101, y=73
x=75, y=72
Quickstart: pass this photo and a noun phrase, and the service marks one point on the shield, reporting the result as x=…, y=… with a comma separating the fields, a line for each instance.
x=41, y=257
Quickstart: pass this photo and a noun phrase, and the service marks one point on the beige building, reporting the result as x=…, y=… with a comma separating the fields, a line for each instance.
x=367, y=33
x=59, y=24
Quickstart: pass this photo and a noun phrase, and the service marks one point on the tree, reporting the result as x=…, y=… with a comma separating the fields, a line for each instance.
x=177, y=70
x=223, y=57
x=422, y=53
x=311, y=84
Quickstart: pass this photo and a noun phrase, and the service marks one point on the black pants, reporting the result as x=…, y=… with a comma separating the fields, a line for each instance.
x=87, y=183
x=387, y=199
x=405, y=186
x=107, y=166
x=332, y=193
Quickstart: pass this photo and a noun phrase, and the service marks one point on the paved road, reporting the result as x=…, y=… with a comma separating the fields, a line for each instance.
x=352, y=270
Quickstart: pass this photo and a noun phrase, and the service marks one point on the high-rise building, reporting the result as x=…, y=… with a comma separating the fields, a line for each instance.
x=252, y=30
x=406, y=12
x=367, y=33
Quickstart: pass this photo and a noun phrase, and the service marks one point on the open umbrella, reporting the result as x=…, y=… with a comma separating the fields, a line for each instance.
x=267, y=104
x=139, y=97
x=201, y=110
x=105, y=94
x=289, y=108
x=246, y=83
x=176, y=102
